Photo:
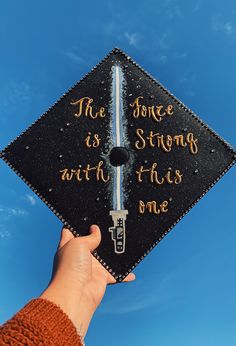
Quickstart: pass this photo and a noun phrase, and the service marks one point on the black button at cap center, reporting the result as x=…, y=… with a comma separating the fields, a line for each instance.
x=119, y=156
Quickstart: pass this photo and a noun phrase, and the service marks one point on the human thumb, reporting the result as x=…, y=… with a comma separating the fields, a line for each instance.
x=93, y=239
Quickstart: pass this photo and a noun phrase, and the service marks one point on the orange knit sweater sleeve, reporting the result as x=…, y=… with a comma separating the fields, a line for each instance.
x=40, y=322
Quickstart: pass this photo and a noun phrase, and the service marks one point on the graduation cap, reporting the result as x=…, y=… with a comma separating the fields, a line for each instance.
x=119, y=150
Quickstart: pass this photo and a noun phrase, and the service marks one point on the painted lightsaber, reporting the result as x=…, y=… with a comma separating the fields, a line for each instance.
x=118, y=213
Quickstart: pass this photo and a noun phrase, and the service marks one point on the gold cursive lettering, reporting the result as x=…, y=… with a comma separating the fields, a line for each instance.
x=165, y=142
x=155, y=178
x=94, y=142
x=85, y=174
x=155, y=113
x=152, y=207
x=85, y=108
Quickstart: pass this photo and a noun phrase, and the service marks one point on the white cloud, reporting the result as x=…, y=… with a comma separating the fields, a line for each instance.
x=7, y=217
x=164, y=41
x=219, y=24
x=174, y=12
x=74, y=55
x=110, y=28
x=228, y=28
x=132, y=38
x=4, y=233
x=163, y=59
x=172, y=9
x=190, y=93
x=16, y=211
x=121, y=303
x=21, y=91
x=14, y=93
x=188, y=78
x=7, y=213
x=31, y=199
x=181, y=55
x=197, y=6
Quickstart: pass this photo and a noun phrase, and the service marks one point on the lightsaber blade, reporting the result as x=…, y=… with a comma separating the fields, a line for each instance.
x=118, y=213
x=118, y=106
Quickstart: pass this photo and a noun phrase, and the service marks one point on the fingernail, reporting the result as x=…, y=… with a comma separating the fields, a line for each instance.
x=94, y=227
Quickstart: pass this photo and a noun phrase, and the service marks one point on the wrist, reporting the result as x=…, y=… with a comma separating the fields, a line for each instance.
x=75, y=304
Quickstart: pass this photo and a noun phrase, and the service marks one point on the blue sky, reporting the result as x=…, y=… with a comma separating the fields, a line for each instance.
x=184, y=294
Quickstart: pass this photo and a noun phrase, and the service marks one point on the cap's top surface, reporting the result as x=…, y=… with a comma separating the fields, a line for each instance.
x=120, y=151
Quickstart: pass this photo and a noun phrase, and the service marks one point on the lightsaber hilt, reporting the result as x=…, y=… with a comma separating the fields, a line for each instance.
x=118, y=229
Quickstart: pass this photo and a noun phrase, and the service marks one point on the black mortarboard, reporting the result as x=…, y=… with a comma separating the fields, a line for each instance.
x=119, y=150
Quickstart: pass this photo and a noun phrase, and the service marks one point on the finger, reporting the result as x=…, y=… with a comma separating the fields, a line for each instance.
x=66, y=235
x=93, y=239
x=130, y=277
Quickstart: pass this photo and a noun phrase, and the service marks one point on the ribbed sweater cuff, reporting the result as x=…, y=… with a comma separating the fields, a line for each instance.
x=54, y=319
